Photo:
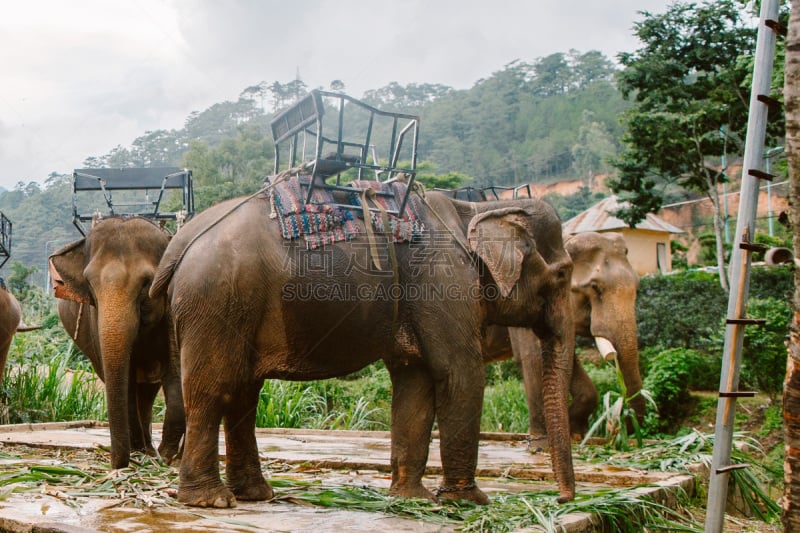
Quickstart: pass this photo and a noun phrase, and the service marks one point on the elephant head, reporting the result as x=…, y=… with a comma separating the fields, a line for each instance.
x=10, y=323
x=520, y=245
x=604, y=287
x=103, y=281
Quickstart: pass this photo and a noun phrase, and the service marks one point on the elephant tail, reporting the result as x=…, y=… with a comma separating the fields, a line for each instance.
x=163, y=276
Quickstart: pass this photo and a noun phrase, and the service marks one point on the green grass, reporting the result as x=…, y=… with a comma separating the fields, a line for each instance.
x=40, y=385
x=359, y=404
x=505, y=407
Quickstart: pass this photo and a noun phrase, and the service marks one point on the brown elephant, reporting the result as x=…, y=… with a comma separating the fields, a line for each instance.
x=10, y=323
x=604, y=287
x=102, y=281
x=249, y=305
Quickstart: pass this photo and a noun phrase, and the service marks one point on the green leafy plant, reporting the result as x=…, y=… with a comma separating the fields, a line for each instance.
x=684, y=453
x=616, y=414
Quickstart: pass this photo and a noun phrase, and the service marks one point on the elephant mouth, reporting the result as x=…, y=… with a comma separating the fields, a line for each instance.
x=606, y=348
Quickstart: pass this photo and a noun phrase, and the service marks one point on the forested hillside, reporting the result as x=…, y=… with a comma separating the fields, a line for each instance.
x=549, y=119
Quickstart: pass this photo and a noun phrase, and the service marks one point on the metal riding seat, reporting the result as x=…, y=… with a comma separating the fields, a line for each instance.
x=99, y=184
x=474, y=194
x=346, y=148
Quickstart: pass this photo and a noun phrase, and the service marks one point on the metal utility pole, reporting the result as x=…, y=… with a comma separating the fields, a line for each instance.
x=740, y=269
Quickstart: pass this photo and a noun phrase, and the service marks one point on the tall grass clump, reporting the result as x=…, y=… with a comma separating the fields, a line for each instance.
x=289, y=404
x=327, y=404
x=40, y=384
x=505, y=407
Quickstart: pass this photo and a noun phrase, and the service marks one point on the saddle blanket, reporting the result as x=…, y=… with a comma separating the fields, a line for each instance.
x=320, y=223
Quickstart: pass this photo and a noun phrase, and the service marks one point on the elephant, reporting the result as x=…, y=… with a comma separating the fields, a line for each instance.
x=10, y=323
x=102, y=282
x=250, y=305
x=603, y=298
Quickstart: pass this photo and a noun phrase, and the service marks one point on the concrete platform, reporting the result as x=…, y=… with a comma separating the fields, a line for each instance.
x=343, y=458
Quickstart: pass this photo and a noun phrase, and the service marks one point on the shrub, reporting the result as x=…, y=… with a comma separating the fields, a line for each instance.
x=772, y=282
x=686, y=309
x=764, y=349
x=671, y=313
x=763, y=364
x=667, y=380
x=604, y=377
x=502, y=371
x=704, y=367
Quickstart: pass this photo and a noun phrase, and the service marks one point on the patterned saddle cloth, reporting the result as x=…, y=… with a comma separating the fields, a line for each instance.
x=320, y=223
x=401, y=228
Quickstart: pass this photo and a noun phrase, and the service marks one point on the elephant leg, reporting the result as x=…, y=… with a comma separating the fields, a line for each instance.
x=242, y=464
x=203, y=393
x=412, y=421
x=174, y=419
x=4, y=347
x=584, y=400
x=528, y=352
x=141, y=430
x=459, y=401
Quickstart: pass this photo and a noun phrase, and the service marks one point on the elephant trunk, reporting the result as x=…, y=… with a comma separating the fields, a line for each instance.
x=557, y=365
x=555, y=385
x=628, y=357
x=118, y=323
x=615, y=323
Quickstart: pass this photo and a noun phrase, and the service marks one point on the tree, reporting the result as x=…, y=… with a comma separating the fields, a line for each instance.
x=791, y=392
x=690, y=92
x=427, y=175
x=594, y=147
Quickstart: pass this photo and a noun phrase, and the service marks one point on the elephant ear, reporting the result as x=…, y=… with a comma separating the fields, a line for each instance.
x=501, y=239
x=66, y=271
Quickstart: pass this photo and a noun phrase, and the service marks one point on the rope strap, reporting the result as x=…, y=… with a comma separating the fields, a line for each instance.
x=445, y=489
x=78, y=322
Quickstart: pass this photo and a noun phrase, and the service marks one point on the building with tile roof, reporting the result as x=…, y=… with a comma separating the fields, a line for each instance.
x=648, y=243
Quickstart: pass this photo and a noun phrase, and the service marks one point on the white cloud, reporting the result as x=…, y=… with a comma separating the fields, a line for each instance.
x=82, y=77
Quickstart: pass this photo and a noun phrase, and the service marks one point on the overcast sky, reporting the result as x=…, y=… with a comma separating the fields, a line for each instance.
x=83, y=76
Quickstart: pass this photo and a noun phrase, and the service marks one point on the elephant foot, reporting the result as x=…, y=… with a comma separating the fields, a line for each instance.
x=220, y=497
x=537, y=443
x=148, y=450
x=258, y=491
x=468, y=492
x=411, y=491
x=566, y=496
x=171, y=455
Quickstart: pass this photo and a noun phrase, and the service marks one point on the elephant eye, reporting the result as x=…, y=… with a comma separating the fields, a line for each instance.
x=597, y=289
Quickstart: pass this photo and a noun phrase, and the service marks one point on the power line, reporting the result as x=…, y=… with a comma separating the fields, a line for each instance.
x=726, y=194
